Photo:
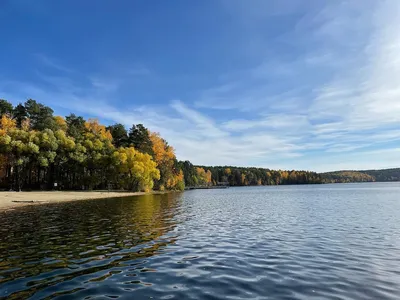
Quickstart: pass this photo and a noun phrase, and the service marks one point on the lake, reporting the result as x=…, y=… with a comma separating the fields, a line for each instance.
x=336, y=241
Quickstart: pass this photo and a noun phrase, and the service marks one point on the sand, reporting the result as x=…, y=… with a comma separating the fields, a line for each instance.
x=12, y=200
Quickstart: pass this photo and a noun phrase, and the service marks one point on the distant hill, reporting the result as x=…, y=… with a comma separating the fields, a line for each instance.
x=384, y=175
x=362, y=176
x=242, y=176
x=346, y=176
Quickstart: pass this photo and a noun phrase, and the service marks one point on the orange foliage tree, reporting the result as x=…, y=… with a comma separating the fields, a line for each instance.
x=164, y=155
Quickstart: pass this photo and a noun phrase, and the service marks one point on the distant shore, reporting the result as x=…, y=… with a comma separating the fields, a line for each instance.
x=12, y=200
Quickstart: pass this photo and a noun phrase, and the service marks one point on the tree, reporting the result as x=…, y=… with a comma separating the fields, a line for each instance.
x=6, y=107
x=19, y=148
x=75, y=126
x=60, y=123
x=20, y=114
x=6, y=123
x=99, y=149
x=137, y=170
x=164, y=156
x=41, y=116
x=189, y=173
x=201, y=175
x=139, y=137
x=119, y=135
x=60, y=165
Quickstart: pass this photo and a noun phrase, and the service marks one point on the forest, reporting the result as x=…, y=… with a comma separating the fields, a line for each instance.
x=239, y=176
x=384, y=175
x=41, y=151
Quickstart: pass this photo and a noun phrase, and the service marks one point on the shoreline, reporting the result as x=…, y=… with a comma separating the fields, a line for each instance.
x=13, y=200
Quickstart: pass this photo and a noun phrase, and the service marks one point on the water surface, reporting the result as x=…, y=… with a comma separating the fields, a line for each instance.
x=337, y=241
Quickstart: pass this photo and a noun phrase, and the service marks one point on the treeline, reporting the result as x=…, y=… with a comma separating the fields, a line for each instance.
x=239, y=176
x=383, y=175
x=346, y=176
x=41, y=151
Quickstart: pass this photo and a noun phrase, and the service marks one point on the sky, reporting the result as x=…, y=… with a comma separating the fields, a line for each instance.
x=285, y=84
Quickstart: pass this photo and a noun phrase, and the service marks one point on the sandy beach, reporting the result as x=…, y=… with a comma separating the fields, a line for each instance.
x=11, y=200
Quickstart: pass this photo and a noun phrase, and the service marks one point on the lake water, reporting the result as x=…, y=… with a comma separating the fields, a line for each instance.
x=289, y=242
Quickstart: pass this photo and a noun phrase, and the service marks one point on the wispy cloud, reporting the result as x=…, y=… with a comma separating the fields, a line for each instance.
x=353, y=107
x=203, y=123
x=52, y=63
x=322, y=93
x=277, y=121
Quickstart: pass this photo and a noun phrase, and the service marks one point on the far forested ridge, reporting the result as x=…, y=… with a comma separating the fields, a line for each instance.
x=383, y=175
x=242, y=176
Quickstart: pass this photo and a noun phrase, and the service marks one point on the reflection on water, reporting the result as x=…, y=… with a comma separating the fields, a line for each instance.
x=290, y=242
x=44, y=247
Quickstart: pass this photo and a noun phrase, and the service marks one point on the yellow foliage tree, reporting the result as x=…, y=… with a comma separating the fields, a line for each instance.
x=93, y=126
x=26, y=124
x=6, y=124
x=202, y=176
x=138, y=169
x=176, y=181
x=243, y=179
x=209, y=177
x=164, y=155
x=61, y=123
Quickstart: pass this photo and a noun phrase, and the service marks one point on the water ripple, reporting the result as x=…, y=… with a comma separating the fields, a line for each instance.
x=306, y=242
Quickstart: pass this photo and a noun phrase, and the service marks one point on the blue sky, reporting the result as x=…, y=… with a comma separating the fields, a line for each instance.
x=288, y=84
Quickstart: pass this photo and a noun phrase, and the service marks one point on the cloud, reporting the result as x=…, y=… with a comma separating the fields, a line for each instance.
x=277, y=121
x=321, y=94
x=201, y=122
x=374, y=159
x=367, y=95
x=52, y=63
x=104, y=84
x=355, y=107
